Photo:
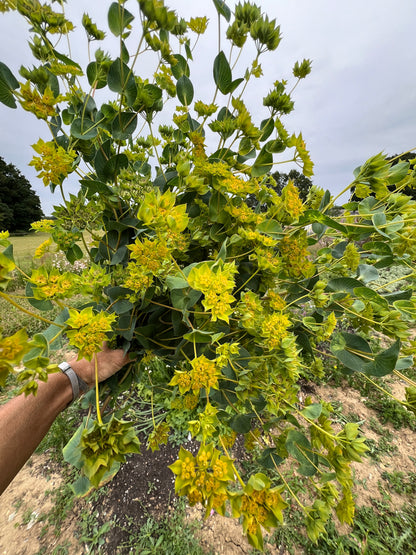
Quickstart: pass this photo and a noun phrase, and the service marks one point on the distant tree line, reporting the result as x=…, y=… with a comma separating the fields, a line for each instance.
x=280, y=180
x=19, y=204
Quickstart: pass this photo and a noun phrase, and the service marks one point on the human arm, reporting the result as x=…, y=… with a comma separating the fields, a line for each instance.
x=24, y=421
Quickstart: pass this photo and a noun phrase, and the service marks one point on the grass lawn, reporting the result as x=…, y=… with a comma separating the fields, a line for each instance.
x=25, y=246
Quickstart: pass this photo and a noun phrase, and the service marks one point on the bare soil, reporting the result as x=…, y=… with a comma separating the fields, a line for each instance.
x=144, y=487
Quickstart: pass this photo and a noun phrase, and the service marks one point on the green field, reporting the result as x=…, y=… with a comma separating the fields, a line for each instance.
x=24, y=246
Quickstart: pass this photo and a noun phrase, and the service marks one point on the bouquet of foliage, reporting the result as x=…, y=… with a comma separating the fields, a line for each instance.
x=227, y=293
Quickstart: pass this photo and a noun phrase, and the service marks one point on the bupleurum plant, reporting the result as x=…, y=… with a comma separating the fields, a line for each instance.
x=197, y=266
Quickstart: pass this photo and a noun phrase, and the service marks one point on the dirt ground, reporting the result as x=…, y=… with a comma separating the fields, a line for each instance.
x=145, y=486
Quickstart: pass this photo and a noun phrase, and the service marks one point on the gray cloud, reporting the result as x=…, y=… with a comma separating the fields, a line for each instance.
x=359, y=100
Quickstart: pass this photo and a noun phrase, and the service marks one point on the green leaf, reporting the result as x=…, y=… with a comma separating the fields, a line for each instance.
x=258, y=481
x=185, y=90
x=82, y=486
x=271, y=228
x=235, y=84
x=311, y=216
x=72, y=451
x=403, y=363
x=181, y=67
x=379, y=221
x=217, y=203
x=369, y=295
x=84, y=128
x=114, y=165
x=263, y=163
x=269, y=458
x=266, y=128
x=120, y=256
x=118, y=18
x=222, y=73
x=122, y=306
x=384, y=363
x=53, y=332
x=345, y=284
x=367, y=273
x=398, y=172
x=300, y=448
x=92, y=186
x=176, y=282
x=198, y=336
x=245, y=146
x=407, y=308
x=43, y=305
x=121, y=80
x=312, y=411
x=74, y=253
x=241, y=423
x=40, y=348
x=222, y=9
x=8, y=84
x=97, y=75
x=352, y=350
x=124, y=125
x=65, y=60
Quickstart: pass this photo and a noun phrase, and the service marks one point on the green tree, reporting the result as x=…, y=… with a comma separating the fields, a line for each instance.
x=279, y=180
x=19, y=204
x=300, y=181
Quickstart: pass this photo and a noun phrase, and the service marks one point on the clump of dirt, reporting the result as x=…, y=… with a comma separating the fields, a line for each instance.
x=144, y=487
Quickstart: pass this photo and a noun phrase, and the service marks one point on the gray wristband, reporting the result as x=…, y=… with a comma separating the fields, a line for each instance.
x=78, y=385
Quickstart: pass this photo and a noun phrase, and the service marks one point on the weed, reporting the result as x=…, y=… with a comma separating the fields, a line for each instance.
x=171, y=534
x=63, y=503
x=400, y=482
x=377, y=529
x=382, y=447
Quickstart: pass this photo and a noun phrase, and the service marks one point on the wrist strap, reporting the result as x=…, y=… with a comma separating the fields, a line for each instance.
x=78, y=385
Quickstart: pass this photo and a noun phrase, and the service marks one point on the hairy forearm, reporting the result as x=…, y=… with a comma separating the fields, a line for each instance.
x=24, y=422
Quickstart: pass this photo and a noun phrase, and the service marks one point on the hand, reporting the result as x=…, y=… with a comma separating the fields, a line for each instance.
x=109, y=362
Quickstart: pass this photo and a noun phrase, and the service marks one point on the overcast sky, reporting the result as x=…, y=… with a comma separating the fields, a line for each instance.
x=360, y=98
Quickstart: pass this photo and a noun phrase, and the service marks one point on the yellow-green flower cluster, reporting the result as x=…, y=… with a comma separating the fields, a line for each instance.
x=259, y=505
x=43, y=248
x=267, y=259
x=158, y=436
x=151, y=258
x=53, y=284
x=44, y=226
x=203, y=478
x=216, y=282
x=93, y=281
x=242, y=213
x=238, y=186
x=87, y=331
x=225, y=352
x=351, y=257
x=12, y=349
x=295, y=255
x=6, y=266
x=54, y=163
x=274, y=328
x=198, y=24
x=43, y=106
x=159, y=212
x=256, y=237
x=203, y=375
x=204, y=110
x=290, y=207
